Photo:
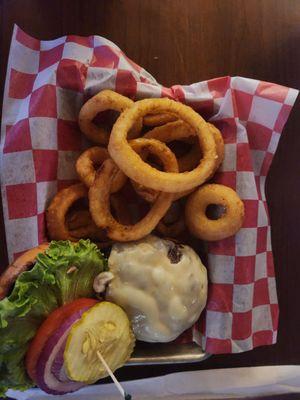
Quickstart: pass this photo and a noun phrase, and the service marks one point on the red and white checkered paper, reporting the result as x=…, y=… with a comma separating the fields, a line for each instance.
x=47, y=83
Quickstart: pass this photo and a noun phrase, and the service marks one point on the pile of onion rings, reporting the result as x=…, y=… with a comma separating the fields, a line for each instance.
x=167, y=153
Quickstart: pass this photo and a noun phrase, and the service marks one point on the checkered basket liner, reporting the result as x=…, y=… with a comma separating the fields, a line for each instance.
x=48, y=81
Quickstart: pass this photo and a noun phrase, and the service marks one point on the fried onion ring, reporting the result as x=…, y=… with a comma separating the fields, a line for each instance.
x=219, y=144
x=177, y=130
x=85, y=167
x=158, y=119
x=99, y=194
x=172, y=224
x=77, y=219
x=77, y=222
x=214, y=229
x=150, y=195
x=57, y=211
x=180, y=195
x=80, y=224
x=104, y=100
x=171, y=131
x=138, y=170
x=121, y=211
x=189, y=161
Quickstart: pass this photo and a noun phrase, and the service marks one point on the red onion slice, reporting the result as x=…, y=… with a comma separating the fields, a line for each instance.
x=50, y=372
x=57, y=368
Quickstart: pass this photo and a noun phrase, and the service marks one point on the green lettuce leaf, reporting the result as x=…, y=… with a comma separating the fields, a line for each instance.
x=48, y=285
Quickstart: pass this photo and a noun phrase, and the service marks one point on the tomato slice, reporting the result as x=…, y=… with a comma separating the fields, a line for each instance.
x=48, y=327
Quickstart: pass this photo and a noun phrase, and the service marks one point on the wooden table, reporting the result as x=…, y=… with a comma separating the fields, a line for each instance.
x=183, y=44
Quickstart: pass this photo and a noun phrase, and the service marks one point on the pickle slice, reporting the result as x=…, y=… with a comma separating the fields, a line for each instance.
x=104, y=328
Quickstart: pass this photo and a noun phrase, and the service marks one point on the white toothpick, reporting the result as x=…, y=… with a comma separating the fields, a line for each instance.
x=111, y=374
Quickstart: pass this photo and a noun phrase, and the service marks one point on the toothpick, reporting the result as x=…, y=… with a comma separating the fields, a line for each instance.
x=125, y=395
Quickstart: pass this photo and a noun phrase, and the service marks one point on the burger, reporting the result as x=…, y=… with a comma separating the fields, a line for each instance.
x=64, y=303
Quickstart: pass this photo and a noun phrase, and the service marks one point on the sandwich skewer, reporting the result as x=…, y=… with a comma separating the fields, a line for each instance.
x=124, y=395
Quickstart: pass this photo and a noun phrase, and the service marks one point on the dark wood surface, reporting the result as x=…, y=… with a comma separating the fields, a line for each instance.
x=184, y=41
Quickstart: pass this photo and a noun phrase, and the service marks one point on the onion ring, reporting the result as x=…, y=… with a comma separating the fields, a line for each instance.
x=158, y=119
x=80, y=224
x=172, y=224
x=177, y=130
x=77, y=219
x=100, y=191
x=220, y=148
x=57, y=211
x=189, y=161
x=180, y=195
x=85, y=167
x=104, y=100
x=119, y=206
x=135, y=168
x=214, y=229
x=150, y=195
x=171, y=131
